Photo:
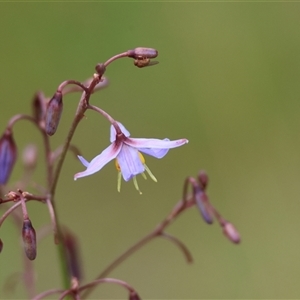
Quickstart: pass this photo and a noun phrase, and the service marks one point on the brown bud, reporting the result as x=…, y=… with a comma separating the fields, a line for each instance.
x=1, y=245
x=8, y=156
x=134, y=296
x=53, y=113
x=203, y=179
x=29, y=239
x=100, y=68
x=142, y=52
x=30, y=156
x=39, y=106
x=73, y=257
x=231, y=233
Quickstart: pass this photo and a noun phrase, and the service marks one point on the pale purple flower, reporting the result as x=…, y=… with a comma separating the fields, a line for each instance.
x=129, y=161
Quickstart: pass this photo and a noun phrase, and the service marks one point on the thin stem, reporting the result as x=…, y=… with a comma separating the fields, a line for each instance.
x=109, y=61
x=103, y=113
x=82, y=106
x=47, y=293
x=67, y=82
x=179, y=207
x=180, y=245
x=11, y=209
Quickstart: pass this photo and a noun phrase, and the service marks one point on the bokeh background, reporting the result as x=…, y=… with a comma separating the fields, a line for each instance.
x=228, y=80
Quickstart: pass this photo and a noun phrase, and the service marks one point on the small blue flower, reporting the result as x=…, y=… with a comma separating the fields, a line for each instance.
x=129, y=161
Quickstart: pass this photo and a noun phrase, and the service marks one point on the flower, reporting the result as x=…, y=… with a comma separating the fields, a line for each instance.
x=129, y=161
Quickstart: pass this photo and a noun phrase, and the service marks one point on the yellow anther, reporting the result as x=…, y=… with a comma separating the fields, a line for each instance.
x=141, y=158
x=117, y=165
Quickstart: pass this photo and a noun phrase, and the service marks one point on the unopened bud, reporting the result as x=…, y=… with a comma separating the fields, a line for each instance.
x=30, y=156
x=134, y=296
x=73, y=257
x=1, y=245
x=203, y=178
x=29, y=239
x=201, y=201
x=39, y=106
x=142, y=52
x=231, y=233
x=8, y=156
x=13, y=196
x=100, y=68
x=53, y=114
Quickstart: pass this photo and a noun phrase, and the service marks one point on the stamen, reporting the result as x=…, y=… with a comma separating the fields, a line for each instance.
x=119, y=180
x=117, y=165
x=136, y=185
x=150, y=173
x=144, y=175
x=141, y=157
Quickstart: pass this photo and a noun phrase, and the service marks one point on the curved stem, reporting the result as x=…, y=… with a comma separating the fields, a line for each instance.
x=179, y=207
x=109, y=61
x=103, y=113
x=47, y=293
x=180, y=245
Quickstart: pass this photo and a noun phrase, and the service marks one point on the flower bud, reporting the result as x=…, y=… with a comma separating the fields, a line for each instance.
x=231, y=233
x=73, y=257
x=142, y=52
x=8, y=156
x=203, y=178
x=30, y=156
x=1, y=245
x=100, y=68
x=201, y=200
x=134, y=296
x=29, y=239
x=53, y=113
x=39, y=106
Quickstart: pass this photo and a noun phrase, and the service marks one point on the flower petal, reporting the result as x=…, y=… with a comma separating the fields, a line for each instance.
x=83, y=161
x=157, y=153
x=154, y=143
x=129, y=162
x=113, y=132
x=100, y=160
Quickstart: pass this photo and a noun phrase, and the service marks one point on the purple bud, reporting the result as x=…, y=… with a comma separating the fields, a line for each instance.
x=231, y=233
x=134, y=296
x=29, y=239
x=8, y=156
x=100, y=68
x=201, y=200
x=1, y=245
x=53, y=113
x=142, y=52
x=39, y=106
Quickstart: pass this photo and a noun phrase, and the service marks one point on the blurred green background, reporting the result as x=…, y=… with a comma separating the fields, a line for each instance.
x=228, y=80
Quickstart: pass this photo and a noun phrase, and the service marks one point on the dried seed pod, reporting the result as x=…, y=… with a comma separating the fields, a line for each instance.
x=53, y=113
x=231, y=233
x=144, y=62
x=1, y=245
x=29, y=239
x=8, y=156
